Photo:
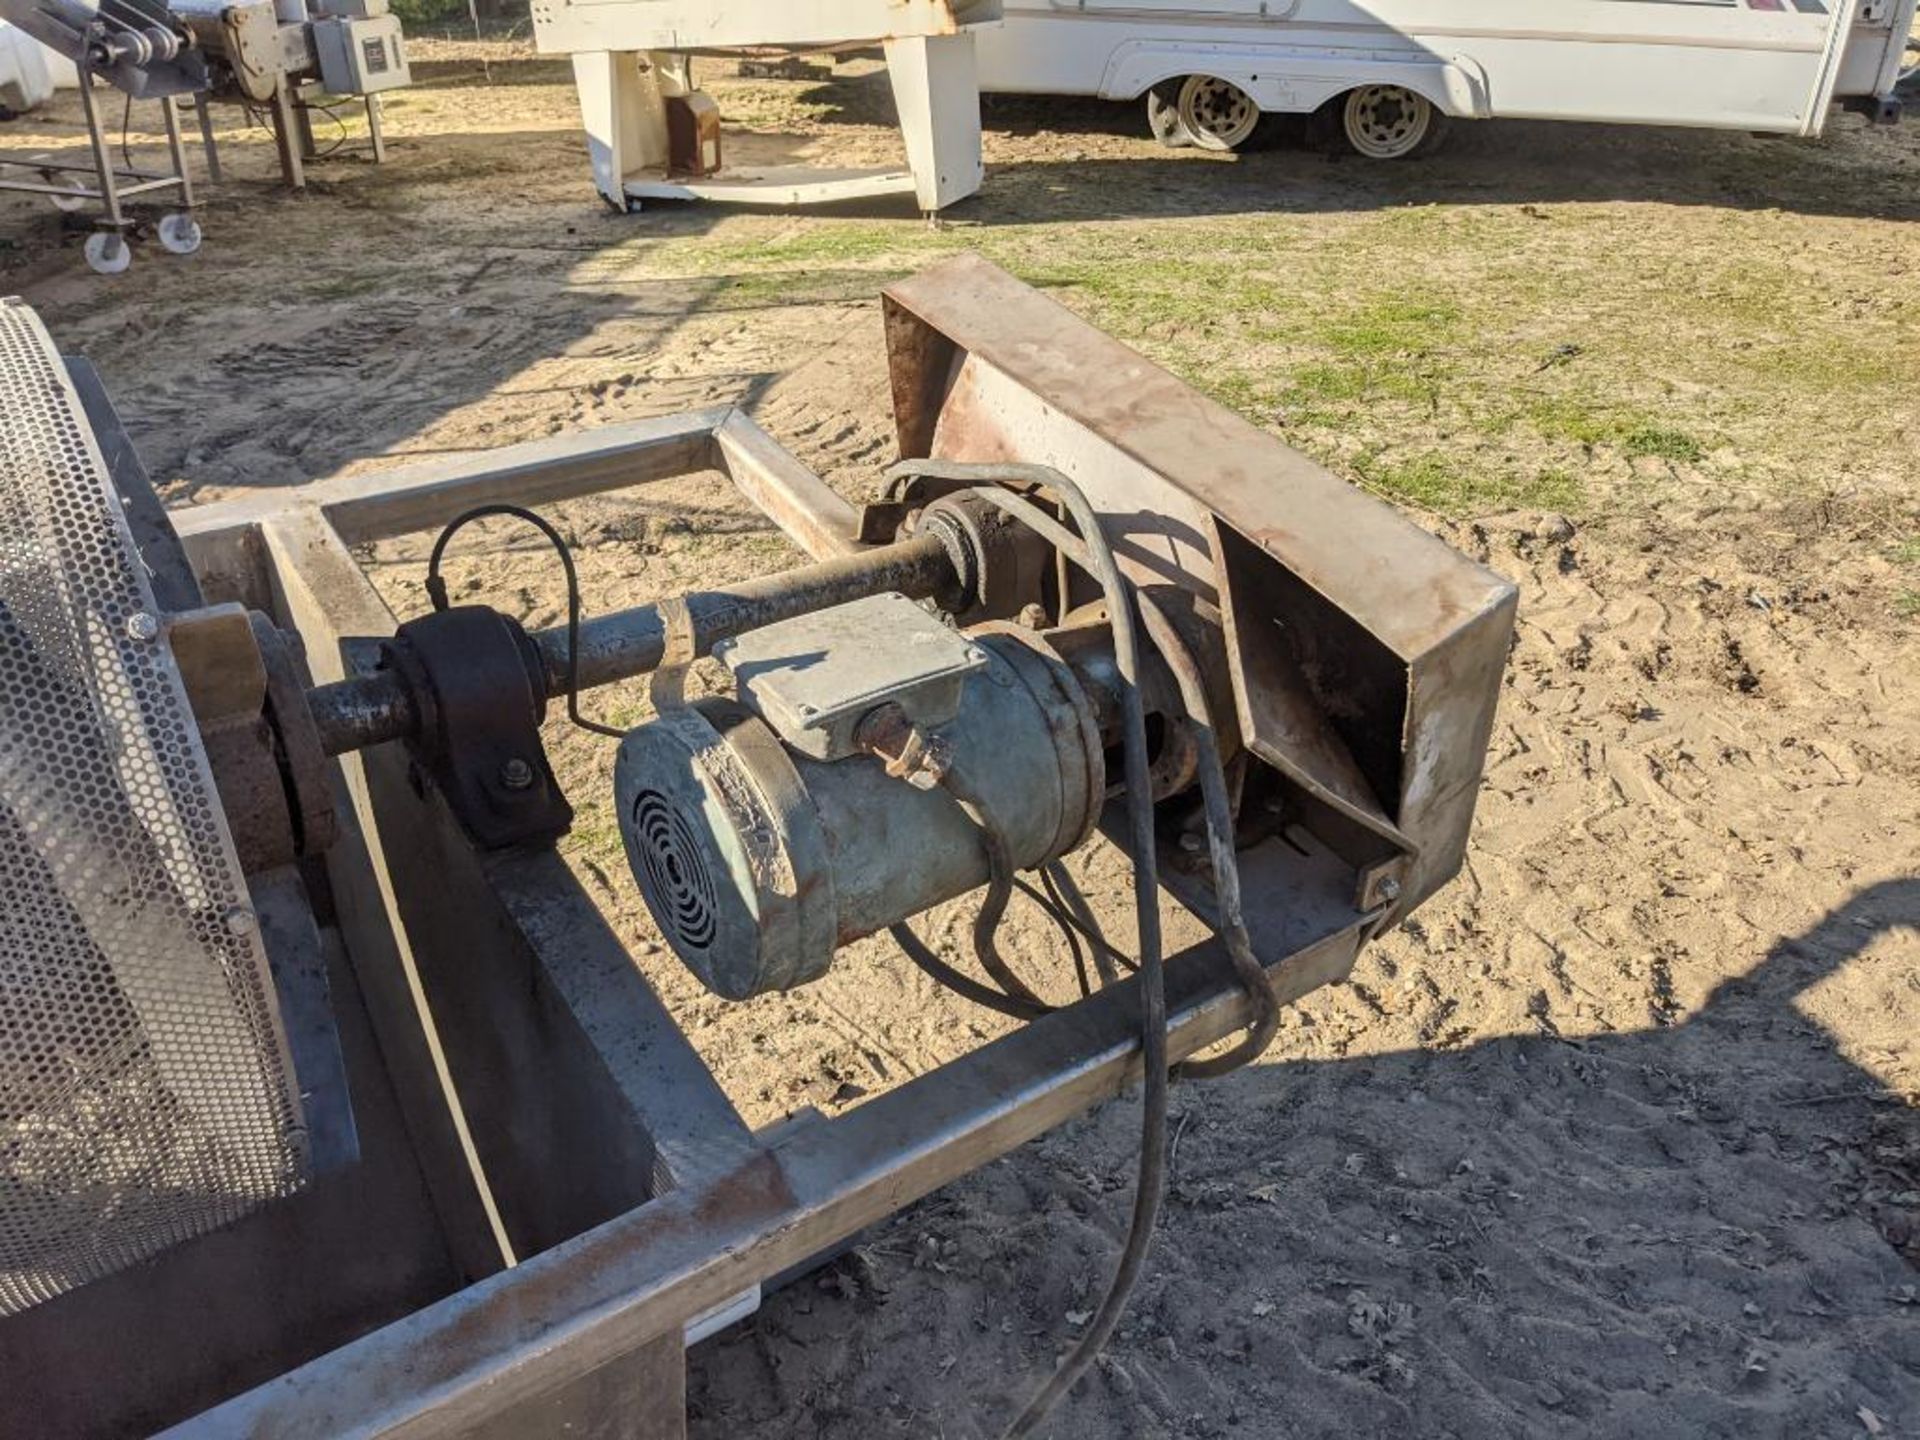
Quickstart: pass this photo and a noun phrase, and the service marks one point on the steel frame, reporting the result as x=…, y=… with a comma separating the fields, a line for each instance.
x=592, y=1188
x=720, y=1211
x=113, y=183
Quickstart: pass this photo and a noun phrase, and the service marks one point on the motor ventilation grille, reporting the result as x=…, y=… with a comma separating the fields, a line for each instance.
x=145, y=1092
x=674, y=874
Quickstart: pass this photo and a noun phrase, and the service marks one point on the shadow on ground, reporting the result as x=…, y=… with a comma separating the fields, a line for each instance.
x=1856, y=170
x=1702, y=1230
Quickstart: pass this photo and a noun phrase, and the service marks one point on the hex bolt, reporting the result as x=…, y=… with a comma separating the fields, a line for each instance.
x=1192, y=842
x=142, y=626
x=1389, y=889
x=516, y=774
x=240, y=921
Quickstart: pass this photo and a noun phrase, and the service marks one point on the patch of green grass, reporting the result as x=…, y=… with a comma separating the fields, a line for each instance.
x=1907, y=604
x=596, y=836
x=1907, y=552
x=814, y=243
x=1560, y=418
x=1390, y=327
x=1330, y=390
x=1333, y=382
x=1453, y=484
x=1667, y=444
x=1564, y=418
x=1239, y=391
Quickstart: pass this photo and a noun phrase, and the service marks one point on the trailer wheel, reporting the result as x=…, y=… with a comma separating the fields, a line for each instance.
x=1163, y=115
x=1216, y=113
x=1389, y=122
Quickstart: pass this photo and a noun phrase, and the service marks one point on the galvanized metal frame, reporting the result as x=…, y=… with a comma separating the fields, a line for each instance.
x=113, y=182
x=449, y=944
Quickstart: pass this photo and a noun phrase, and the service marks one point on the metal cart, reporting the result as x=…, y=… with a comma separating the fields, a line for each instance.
x=109, y=250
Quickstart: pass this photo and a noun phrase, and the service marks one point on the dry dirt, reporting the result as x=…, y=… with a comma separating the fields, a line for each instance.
x=1617, y=1137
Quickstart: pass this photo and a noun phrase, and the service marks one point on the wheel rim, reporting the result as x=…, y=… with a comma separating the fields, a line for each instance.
x=1218, y=114
x=1387, y=121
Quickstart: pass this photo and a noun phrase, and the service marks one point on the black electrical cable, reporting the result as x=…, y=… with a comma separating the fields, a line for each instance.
x=1082, y=976
x=1062, y=915
x=917, y=950
x=340, y=140
x=1000, y=881
x=1107, y=959
x=1265, y=1020
x=1097, y=556
x=437, y=593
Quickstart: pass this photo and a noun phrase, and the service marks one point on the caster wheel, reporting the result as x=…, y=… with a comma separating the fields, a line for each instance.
x=108, y=253
x=180, y=233
x=68, y=203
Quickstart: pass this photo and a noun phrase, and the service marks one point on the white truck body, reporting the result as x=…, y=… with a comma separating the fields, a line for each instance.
x=1761, y=65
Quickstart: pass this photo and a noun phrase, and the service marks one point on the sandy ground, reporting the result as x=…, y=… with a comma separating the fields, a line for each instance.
x=1616, y=1137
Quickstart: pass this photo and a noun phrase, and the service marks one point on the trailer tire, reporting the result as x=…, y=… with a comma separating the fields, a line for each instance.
x=1384, y=122
x=1217, y=113
x=1163, y=114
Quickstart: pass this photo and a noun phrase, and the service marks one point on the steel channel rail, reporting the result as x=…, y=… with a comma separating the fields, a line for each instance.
x=605, y=1293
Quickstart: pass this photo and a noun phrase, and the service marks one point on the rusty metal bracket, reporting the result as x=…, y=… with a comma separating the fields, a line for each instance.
x=901, y=496
x=482, y=684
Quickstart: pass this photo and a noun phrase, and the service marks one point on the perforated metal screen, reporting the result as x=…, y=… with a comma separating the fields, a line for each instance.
x=145, y=1094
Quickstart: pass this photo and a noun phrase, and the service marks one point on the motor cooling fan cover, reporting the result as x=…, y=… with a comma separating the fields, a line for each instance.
x=145, y=1091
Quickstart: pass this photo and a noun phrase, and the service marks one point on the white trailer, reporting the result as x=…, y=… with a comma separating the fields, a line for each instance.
x=1385, y=76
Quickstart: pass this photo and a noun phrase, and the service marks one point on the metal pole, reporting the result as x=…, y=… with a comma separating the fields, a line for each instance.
x=291, y=169
x=102, y=157
x=170, y=110
x=203, y=105
x=353, y=714
x=375, y=130
x=303, y=125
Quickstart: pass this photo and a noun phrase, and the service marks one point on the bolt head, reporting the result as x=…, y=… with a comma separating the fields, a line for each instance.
x=240, y=921
x=142, y=626
x=1389, y=889
x=516, y=774
x=1193, y=842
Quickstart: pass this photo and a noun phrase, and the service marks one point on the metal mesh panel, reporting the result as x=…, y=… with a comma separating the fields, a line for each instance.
x=145, y=1094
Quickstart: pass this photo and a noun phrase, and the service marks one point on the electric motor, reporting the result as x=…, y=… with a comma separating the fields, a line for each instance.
x=764, y=836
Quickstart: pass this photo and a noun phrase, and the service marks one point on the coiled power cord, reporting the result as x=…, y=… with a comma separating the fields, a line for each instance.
x=1128, y=610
